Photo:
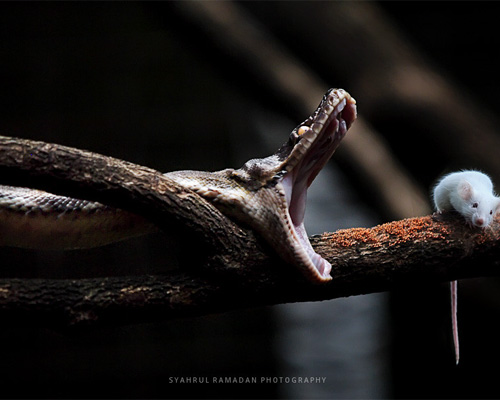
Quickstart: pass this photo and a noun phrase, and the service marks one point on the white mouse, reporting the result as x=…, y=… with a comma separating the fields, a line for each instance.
x=471, y=194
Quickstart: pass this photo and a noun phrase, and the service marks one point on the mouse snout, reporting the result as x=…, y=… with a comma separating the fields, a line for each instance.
x=479, y=222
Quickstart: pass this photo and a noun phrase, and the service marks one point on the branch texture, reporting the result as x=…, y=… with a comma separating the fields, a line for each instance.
x=82, y=174
x=364, y=261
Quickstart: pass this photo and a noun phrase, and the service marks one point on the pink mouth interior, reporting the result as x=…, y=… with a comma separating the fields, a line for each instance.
x=297, y=181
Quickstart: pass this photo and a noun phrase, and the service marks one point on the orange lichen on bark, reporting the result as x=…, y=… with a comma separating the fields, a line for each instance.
x=391, y=233
x=488, y=234
x=350, y=237
x=412, y=229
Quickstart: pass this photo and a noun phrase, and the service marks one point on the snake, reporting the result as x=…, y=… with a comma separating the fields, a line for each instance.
x=267, y=195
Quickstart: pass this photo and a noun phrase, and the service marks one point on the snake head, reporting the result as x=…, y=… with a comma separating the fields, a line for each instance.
x=309, y=147
x=269, y=194
x=316, y=139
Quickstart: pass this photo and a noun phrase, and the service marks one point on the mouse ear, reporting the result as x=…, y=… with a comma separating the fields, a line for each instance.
x=465, y=190
x=497, y=206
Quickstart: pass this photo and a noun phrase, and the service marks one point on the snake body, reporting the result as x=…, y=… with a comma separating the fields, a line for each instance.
x=31, y=218
x=267, y=194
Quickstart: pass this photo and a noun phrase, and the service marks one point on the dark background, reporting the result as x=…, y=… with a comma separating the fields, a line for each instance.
x=139, y=81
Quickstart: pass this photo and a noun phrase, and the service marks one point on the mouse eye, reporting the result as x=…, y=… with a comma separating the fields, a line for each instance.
x=475, y=205
x=491, y=212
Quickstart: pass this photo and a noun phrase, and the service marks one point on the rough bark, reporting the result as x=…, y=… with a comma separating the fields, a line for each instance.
x=239, y=271
x=83, y=174
x=364, y=261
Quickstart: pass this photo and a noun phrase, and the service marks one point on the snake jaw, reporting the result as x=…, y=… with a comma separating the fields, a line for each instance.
x=315, y=142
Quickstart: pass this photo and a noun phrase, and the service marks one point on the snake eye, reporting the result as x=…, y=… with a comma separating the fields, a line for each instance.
x=475, y=205
x=303, y=129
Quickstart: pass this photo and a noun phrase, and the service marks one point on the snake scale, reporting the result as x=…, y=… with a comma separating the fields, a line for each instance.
x=267, y=194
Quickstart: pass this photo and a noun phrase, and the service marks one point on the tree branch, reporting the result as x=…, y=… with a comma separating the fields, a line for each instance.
x=364, y=261
x=239, y=271
x=144, y=191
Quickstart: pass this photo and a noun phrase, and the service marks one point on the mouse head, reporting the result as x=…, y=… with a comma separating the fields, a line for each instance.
x=477, y=206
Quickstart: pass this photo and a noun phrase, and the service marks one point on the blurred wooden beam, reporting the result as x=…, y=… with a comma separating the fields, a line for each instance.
x=241, y=37
x=359, y=44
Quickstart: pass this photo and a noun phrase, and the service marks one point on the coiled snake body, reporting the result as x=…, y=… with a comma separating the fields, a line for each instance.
x=267, y=194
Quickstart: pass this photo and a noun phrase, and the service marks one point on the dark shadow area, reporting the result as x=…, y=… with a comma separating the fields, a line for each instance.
x=145, y=83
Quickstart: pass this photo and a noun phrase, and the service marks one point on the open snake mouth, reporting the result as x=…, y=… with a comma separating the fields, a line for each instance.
x=314, y=142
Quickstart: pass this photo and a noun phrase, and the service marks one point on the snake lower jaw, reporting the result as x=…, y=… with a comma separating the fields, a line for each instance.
x=318, y=268
x=315, y=267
